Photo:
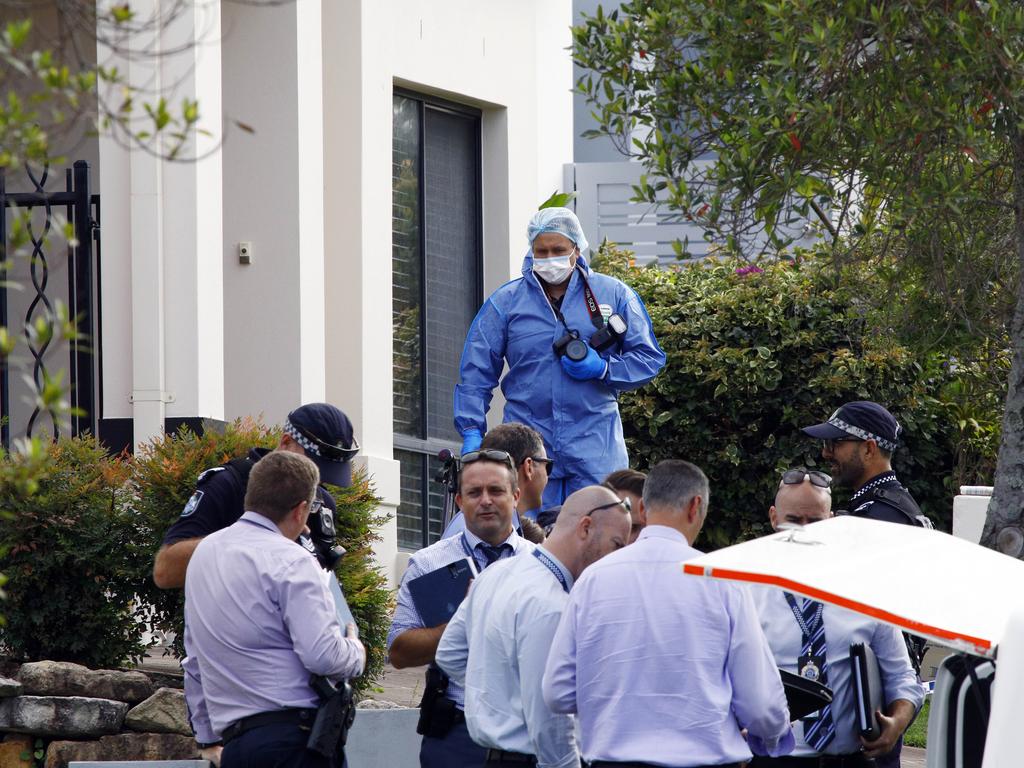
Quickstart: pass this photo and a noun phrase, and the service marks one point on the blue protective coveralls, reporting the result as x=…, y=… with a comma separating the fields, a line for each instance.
x=579, y=420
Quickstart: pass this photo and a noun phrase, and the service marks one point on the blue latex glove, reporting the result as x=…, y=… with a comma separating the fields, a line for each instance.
x=471, y=440
x=592, y=366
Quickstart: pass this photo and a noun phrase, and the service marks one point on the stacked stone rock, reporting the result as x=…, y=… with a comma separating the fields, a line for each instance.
x=90, y=715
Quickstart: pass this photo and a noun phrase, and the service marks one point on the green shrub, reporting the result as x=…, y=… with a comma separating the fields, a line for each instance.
x=165, y=476
x=71, y=548
x=755, y=353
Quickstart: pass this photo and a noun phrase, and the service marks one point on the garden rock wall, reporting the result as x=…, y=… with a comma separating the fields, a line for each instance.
x=75, y=713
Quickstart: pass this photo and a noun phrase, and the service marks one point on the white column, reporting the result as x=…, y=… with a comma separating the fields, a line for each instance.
x=193, y=219
x=357, y=122
x=162, y=285
x=273, y=198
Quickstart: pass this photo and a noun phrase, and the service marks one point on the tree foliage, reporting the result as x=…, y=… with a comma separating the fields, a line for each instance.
x=72, y=545
x=754, y=353
x=892, y=127
x=164, y=477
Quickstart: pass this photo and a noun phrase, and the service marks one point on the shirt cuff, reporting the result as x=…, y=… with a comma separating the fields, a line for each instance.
x=774, y=747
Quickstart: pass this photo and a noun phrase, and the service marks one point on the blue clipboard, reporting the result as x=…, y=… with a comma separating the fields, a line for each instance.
x=437, y=594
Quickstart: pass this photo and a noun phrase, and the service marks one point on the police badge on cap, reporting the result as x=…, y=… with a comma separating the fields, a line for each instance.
x=325, y=434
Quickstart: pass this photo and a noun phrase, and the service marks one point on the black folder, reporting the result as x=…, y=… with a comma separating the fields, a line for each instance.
x=437, y=594
x=804, y=696
x=867, y=689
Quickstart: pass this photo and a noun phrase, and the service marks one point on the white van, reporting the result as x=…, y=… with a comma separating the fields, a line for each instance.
x=956, y=593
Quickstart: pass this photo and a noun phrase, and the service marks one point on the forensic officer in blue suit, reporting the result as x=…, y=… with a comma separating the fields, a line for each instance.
x=573, y=339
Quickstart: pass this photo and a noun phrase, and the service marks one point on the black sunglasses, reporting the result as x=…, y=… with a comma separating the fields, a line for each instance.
x=549, y=464
x=502, y=457
x=623, y=502
x=796, y=477
x=830, y=444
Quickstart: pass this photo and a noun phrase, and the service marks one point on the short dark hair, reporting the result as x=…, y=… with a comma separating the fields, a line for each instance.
x=627, y=480
x=278, y=482
x=673, y=483
x=517, y=440
x=513, y=476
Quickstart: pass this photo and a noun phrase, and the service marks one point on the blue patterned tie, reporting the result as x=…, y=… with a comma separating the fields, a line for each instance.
x=819, y=731
x=493, y=554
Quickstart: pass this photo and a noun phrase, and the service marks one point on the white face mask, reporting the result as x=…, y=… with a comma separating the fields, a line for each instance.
x=554, y=270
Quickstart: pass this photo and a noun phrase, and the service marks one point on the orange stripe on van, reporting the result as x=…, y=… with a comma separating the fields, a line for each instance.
x=981, y=645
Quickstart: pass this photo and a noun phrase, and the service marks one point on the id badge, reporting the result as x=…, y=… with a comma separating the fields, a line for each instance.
x=811, y=667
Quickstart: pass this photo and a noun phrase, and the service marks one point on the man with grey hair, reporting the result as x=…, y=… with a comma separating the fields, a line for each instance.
x=498, y=641
x=813, y=640
x=705, y=672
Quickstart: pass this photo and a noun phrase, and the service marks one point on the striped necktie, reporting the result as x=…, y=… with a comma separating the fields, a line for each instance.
x=493, y=554
x=818, y=731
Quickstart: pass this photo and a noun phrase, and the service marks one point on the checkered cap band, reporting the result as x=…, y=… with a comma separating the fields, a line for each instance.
x=307, y=445
x=863, y=434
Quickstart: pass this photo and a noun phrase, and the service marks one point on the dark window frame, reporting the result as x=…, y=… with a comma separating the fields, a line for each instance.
x=424, y=445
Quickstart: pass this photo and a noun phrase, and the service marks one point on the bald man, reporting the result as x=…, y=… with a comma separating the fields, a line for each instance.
x=804, y=497
x=497, y=643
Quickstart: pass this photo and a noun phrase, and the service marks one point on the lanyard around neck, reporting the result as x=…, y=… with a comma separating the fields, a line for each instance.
x=593, y=308
x=551, y=566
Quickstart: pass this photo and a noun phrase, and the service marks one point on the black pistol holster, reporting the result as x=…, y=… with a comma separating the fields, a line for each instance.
x=333, y=719
x=437, y=712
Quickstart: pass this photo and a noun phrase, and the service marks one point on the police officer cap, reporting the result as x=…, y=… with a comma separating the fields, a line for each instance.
x=325, y=434
x=861, y=419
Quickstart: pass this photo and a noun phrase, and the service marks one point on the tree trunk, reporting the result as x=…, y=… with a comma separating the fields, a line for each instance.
x=1004, y=525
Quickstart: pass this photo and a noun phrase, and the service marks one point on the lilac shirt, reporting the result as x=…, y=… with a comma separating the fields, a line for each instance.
x=665, y=668
x=259, y=618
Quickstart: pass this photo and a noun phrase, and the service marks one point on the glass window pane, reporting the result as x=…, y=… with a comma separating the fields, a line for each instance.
x=407, y=280
x=453, y=255
x=410, y=510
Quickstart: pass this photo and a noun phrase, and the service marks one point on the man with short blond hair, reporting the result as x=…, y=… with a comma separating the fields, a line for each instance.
x=259, y=620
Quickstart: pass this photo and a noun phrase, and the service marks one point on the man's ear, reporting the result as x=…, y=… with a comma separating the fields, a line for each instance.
x=583, y=526
x=693, y=510
x=773, y=517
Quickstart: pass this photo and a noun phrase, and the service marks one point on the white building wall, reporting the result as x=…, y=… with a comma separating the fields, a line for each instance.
x=187, y=329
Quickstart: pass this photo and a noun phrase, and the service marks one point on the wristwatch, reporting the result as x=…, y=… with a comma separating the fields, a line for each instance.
x=208, y=744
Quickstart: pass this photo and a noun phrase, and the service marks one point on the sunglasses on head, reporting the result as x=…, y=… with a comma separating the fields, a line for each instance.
x=624, y=503
x=502, y=457
x=797, y=475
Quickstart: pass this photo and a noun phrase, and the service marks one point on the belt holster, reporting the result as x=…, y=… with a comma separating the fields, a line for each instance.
x=437, y=711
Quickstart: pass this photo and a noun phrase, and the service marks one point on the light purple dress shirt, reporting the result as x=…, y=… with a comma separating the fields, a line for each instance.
x=842, y=627
x=259, y=619
x=665, y=668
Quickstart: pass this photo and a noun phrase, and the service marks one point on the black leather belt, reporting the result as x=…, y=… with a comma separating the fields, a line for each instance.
x=852, y=760
x=500, y=756
x=299, y=717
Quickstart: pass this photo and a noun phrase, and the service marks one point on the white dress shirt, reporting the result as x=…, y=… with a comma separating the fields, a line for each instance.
x=665, y=668
x=438, y=555
x=842, y=627
x=496, y=645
